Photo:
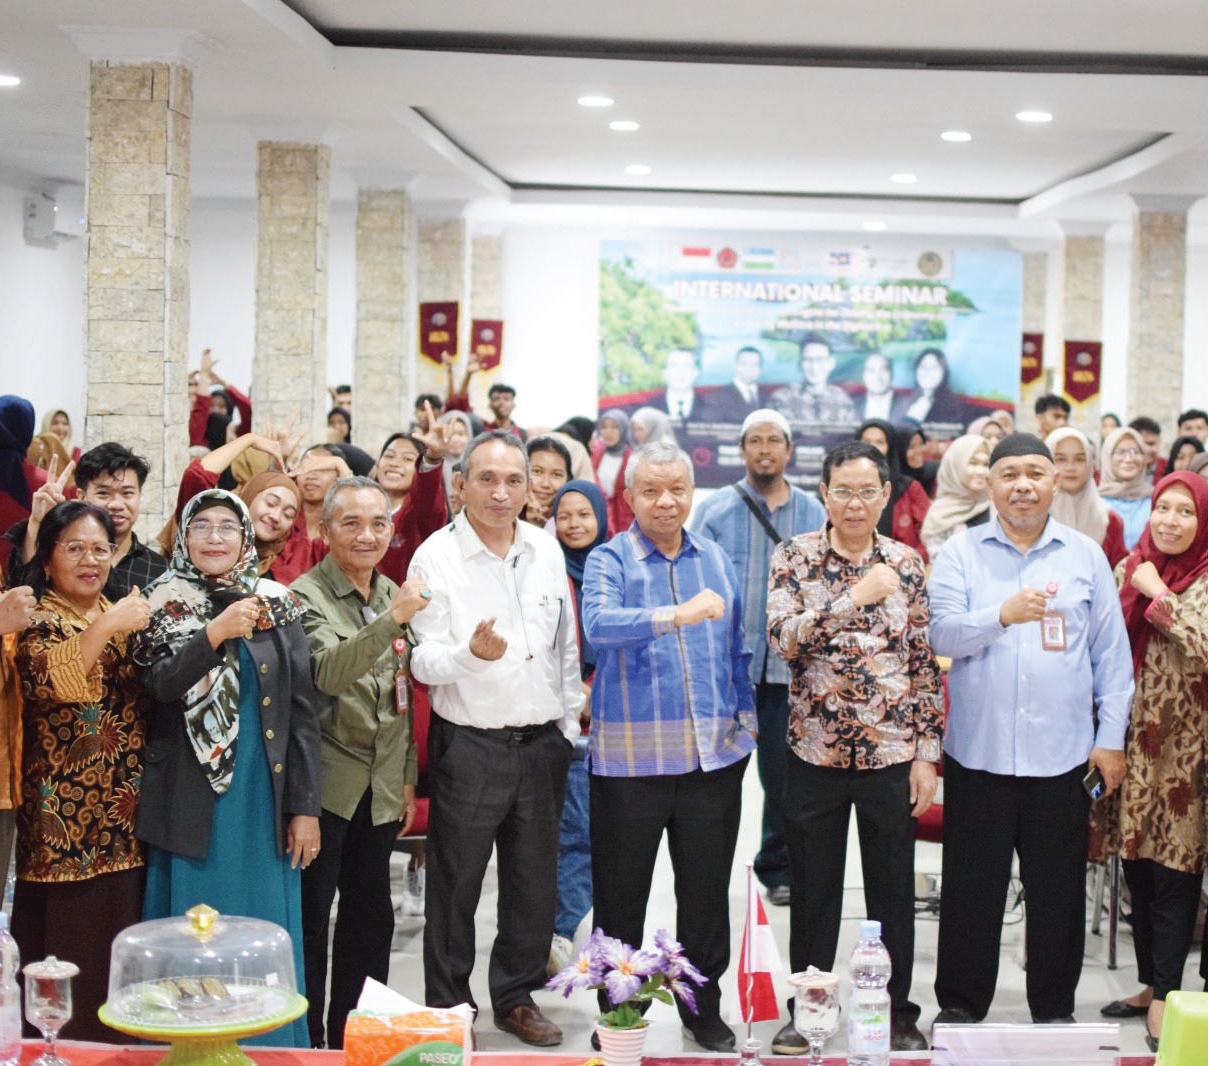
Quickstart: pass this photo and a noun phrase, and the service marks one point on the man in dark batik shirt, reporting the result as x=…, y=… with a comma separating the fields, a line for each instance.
x=848, y=610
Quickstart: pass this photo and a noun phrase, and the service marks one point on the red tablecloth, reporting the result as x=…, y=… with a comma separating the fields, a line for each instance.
x=119, y=1055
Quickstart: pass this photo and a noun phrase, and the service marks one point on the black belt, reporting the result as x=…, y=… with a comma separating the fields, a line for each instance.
x=513, y=734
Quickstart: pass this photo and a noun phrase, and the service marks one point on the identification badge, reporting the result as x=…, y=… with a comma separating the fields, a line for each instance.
x=402, y=680
x=1052, y=631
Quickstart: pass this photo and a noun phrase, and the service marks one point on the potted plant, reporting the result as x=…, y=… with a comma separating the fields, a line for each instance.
x=630, y=979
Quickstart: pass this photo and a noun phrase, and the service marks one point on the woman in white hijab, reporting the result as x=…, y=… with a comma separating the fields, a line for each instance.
x=1077, y=503
x=962, y=491
x=1123, y=482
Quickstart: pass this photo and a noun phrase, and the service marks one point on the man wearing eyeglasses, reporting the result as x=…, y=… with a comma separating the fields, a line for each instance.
x=848, y=610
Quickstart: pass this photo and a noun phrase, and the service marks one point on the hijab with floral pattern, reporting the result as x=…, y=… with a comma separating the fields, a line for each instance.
x=184, y=600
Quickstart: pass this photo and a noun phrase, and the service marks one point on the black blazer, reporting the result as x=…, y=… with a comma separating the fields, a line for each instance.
x=176, y=802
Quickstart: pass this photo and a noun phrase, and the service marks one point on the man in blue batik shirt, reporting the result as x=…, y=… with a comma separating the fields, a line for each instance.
x=749, y=520
x=1040, y=689
x=673, y=723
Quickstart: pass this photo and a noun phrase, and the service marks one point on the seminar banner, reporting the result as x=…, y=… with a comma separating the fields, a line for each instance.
x=696, y=334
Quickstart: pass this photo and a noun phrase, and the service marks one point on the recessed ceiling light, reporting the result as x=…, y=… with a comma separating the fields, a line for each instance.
x=623, y=125
x=7, y=81
x=1034, y=116
x=956, y=136
x=874, y=226
x=637, y=169
x=596, y=101
x=903, y=179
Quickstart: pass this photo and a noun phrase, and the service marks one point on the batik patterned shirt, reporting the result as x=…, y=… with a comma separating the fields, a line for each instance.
x=865, y=688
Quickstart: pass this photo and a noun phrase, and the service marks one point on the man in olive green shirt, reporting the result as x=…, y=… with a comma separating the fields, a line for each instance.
x=356, y=624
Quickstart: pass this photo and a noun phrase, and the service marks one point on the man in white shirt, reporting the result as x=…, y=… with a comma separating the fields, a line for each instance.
x=680, y=375
x=498, y=648
x=878, y=387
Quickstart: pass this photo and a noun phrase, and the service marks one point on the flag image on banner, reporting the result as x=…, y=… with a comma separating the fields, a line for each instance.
x=757, y=962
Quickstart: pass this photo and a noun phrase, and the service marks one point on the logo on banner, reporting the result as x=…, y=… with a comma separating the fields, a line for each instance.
x=1031, y=360
x=727, y=259
x=1083, y=361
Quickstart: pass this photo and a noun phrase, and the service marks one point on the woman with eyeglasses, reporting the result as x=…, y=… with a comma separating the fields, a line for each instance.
x=230, y=801
x=79, y=864
x=1123, y=482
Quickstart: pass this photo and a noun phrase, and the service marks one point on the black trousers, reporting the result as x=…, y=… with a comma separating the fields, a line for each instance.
x=987, y=818
x=1164, y=906
x=699, y=812
x=817, y=809
x=772, y=711
x=487, y=793
x=355, y=860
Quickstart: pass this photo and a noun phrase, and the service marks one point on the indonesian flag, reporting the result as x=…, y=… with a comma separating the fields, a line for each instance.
x=759, y=957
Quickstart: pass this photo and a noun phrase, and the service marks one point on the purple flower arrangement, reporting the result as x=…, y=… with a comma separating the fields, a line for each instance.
x=630, y=978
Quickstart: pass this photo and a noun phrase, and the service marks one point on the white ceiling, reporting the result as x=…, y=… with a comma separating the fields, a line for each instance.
x=769, y=107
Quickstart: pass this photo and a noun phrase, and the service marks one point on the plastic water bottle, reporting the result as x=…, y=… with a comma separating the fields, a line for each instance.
x=868, y=1011
x=10, y=996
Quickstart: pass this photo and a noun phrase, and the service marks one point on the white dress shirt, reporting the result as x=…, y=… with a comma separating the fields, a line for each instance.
x=528, y=595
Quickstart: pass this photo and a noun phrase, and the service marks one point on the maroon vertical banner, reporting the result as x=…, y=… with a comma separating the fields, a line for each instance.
x=1031, y=358
x=438, y=329
x=1083, y=363
x=486, y=341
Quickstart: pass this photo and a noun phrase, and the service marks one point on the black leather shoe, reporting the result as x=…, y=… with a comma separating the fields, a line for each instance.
x=1119, y=1008
x=904, y=1035
x=954, y=1016
x=712, y=1034
x=1151, y=1042
x=790, y=1042
x=1067, y=1019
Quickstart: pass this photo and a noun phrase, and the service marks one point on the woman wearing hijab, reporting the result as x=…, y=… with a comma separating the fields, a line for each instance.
x=1077, y=503
x=581, y=524
x=1122, y=481
x=609, y=458
x=1159, y=829
x=962, y=495
x=911, y=443
x=649, y=424
x=460, y=433
x=19, y=480
x=903, y=518
x=230, y=793
x=58, y=422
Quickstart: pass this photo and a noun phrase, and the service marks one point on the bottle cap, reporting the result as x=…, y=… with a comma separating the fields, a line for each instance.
x=870, y=930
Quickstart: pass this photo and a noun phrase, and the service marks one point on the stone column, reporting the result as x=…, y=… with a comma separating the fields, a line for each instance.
x=137, y=264
x=486, y=277
x=1035, y=291
x=289, y=364
x=444, y=274
x=1155, y=308
x=1081, y=310
x=386, y=315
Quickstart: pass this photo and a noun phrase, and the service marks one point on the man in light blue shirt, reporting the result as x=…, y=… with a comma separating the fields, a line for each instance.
x=749, y=520
x=1040, y=687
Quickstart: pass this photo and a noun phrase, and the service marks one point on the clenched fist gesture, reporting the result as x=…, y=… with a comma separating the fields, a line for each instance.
x=237, y=620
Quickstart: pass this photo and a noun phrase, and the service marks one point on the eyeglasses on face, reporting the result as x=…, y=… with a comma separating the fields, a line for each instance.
x=845, y=495
x=203, y=530
x=75, y=550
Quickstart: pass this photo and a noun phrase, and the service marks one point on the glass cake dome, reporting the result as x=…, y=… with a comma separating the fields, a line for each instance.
x=203, y=971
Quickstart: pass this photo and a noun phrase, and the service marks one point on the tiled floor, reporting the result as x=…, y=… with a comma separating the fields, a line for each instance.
x=576, y=1015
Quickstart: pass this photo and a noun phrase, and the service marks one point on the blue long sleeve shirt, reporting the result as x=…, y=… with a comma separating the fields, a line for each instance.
x=665, y=699
x=1017, y=708
x=724, y=518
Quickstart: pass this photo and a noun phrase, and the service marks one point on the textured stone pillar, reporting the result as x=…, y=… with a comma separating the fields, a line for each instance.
x=486, y=277
x=386, y=315
x=137, y=264
x=1155, y=308
x=444, y=274
x=1035, y=292
x=289, y=364
x=1081, y=310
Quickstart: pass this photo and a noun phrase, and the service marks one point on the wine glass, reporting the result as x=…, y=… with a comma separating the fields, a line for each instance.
x=48, y=1003
x=815, y=1009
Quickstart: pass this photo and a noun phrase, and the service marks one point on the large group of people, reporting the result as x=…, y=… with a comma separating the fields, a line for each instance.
x=234, y=718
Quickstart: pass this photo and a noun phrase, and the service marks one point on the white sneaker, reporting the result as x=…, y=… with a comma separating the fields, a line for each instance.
x=560, y=951
x=413, y=892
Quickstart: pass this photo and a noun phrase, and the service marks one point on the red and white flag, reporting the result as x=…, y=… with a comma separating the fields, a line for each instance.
x=757, y=962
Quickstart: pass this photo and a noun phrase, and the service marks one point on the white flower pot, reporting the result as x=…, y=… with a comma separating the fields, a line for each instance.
x=621, y=1047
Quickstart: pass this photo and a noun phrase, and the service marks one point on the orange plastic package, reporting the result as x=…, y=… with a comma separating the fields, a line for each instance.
x=418, y=1038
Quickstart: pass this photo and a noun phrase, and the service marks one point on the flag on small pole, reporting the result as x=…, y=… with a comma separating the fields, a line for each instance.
x=757, y=961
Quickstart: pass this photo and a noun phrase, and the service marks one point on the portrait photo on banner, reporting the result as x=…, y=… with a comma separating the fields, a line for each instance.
x=697, y=333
